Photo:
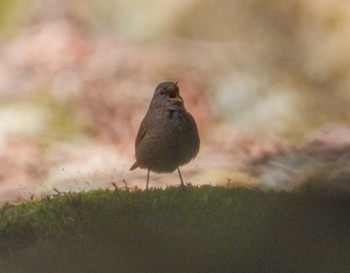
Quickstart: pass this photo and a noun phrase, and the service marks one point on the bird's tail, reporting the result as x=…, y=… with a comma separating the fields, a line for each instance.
x=134, y=166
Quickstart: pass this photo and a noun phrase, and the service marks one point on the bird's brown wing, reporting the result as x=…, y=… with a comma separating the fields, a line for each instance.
x=140, y=135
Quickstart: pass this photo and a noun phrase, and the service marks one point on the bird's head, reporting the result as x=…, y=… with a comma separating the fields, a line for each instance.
x=167, y=95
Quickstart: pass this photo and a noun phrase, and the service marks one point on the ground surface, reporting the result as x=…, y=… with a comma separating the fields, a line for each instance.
x=195, y=229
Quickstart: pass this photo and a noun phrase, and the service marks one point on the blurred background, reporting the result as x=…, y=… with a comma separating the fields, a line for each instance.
x=267, y=82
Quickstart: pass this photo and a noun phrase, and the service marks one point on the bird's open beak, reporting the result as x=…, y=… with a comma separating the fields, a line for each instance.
x=174, y=92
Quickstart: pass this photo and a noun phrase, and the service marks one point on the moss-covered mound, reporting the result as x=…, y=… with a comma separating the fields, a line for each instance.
x=195, y=229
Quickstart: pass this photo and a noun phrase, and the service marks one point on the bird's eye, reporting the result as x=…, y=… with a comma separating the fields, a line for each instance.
x=163, y=92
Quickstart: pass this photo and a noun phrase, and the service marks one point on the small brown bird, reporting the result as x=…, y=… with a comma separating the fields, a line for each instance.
x=168, y=135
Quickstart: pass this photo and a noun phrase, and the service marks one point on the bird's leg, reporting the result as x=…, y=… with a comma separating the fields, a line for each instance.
x=182, y=182
x=148, y=171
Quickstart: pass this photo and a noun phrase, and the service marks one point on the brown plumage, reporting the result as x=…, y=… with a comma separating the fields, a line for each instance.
x=168, y=135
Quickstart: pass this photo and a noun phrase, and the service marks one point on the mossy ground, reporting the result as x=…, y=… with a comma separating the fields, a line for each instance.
x=195, y=229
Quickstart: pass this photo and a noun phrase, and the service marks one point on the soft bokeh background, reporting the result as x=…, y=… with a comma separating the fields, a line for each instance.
x=267, y=81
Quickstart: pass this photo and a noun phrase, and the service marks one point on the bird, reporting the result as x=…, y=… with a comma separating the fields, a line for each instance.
x=168, y=135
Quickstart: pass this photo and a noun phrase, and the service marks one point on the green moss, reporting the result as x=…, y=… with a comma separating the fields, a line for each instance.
x=196, y=229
